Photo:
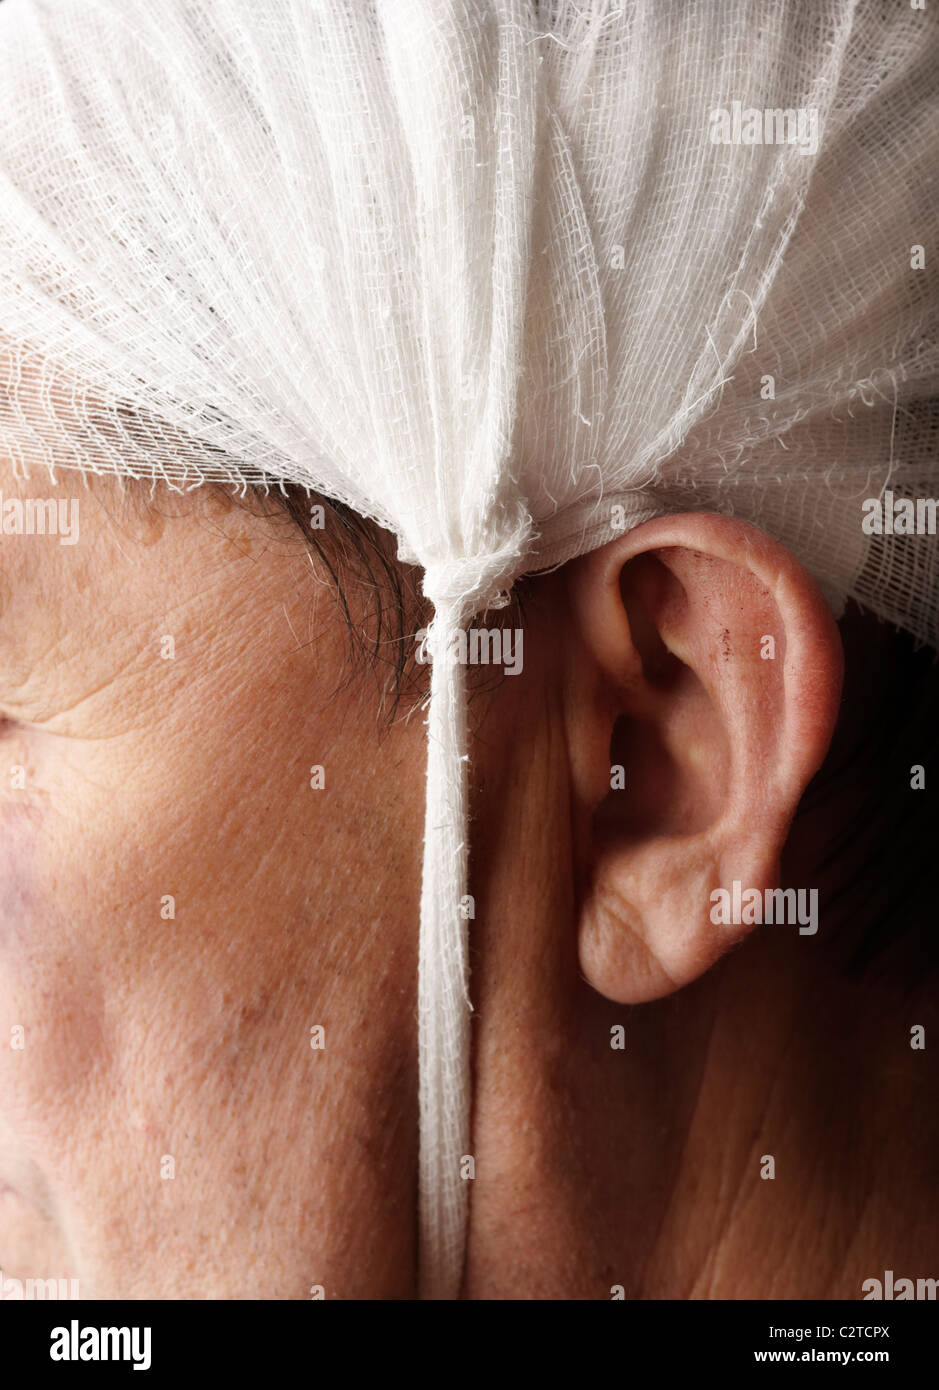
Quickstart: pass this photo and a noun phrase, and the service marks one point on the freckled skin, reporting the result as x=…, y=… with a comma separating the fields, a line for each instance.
x=181, y=1043
x=189, y=1036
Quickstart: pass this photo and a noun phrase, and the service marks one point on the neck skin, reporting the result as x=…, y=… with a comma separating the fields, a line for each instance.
x=641, y=1167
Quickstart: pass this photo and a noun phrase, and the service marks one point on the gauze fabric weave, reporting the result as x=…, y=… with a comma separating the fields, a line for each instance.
x=479, y=269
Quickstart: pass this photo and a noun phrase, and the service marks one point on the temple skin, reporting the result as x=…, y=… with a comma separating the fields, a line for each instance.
x=188, y=1037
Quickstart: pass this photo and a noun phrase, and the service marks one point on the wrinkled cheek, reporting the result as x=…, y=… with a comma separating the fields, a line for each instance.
x=51, y=1002
x=52, y=1044
x=18, y=911
x=19, y=828
x=32, y=1053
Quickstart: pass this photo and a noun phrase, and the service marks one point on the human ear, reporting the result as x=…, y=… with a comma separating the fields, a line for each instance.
x=705, y=693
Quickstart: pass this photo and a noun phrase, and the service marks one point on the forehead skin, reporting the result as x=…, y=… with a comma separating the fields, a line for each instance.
x=145, y=776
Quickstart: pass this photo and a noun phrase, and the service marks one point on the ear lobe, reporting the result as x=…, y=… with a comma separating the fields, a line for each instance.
x=713, y=678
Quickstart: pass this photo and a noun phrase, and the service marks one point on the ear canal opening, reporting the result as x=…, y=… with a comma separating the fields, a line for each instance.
x=654, y=795
x=669, y=755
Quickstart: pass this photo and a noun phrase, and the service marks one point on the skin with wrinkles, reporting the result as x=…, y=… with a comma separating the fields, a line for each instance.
x=191, y=1037
x=188, y=1037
